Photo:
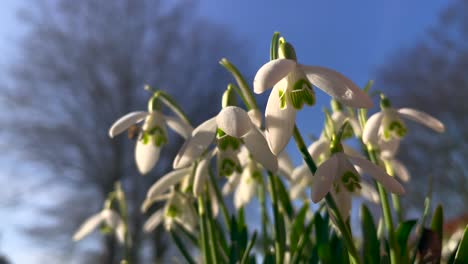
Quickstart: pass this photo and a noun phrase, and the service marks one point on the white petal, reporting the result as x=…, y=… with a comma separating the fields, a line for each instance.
x=342, y=201
x=349, y=151
x=256, y=117
x=155, y=219
x=355, y=126
x=422, y=118
x=246, y=189
x=400, y=170
x=146, y=156
x=379, y=174
x=285, y=166
x=167, y=181
x=371, y=130
x=232, y=183
x=201, y=175
x=258, y=147
x=111, y=218
x=196, y=144
x=388, y=149
x=179, y=126
x=319, y=147
x=234, y=121
x=214, y=201
x=338, y=86
x=369, y=192
x=125, y=122
x=300, y=172
x=324, y=177
x=271, y=73
x=88, y=226
x=279, y=123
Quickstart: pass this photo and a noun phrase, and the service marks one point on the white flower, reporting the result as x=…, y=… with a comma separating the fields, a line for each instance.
x=178, y=209
x=152, y=137
x=388, y=123
x=292, y=88
x=234, y=122
x=108, y=217
x=338, y=176
x=388, y=150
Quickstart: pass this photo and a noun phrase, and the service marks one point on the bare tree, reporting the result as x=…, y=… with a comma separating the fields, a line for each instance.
x=432, y=76
x=83, y=64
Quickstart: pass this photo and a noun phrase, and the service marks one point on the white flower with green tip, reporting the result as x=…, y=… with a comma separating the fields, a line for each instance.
x=107, y=217
x=152, y=137
x=292, y=88
x=388, y=150
x=231, y=121
x=178, y=209
x=388, y=123
x=338, y=176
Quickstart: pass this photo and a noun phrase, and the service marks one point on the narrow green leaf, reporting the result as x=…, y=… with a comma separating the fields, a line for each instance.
x=402, y=235
x=321, y=232
x=297, y=227
x=437, y=223
x=283, y=196
x=371, y=243
x=245, y=256
x=462, y=253
x=181, y=247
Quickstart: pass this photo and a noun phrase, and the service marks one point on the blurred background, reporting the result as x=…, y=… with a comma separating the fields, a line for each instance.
x=69, y=69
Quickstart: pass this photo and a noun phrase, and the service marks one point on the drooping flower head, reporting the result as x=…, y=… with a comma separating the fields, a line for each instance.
x=292, y=85
x=153, y=133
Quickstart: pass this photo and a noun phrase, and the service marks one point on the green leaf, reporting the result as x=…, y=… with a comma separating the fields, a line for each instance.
x=284, y=198
x=339, y=254
x=245, y=256
x=371, y=243
x=437, y=223
x=297, y=227
x=321, y=232
x=402, y=235
x=462, y=253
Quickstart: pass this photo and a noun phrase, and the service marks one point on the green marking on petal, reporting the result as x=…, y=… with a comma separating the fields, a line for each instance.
x=171, y=211
x=282, y=97
x=301, y=94
x=351, y=181
x=105, y=229
x=228, y=167
x=225, y=141
x=398, y=127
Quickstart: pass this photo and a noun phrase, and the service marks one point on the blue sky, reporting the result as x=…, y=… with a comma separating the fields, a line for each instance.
x=344, y=35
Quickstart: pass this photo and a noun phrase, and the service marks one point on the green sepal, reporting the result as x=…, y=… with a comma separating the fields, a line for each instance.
x=229, y=96
x=371, y=244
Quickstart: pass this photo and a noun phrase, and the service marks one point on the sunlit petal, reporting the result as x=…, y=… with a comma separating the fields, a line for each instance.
x=379, y=174
x=166, y=182
x=338, y=86
x=179, y=126
x=271, y=73
x=234, y=121
x=368, y=192
x=319, y=147
x=422, y=118
x=279, y=123
x=256, y=117
x=146, y=156
x=196, y=144
x=285, y=166
x=258, y=148
x=88, y=226
x=155, y=219
x=371, y=130
x=324, y=177
x=400, y=170
x=232, y=183
x=388, y=149
x=201, y=175
x=125, y=122
x=342, y=201
x=246, y=189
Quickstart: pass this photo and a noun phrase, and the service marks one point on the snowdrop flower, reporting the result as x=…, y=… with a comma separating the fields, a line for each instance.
x=178, y=209
x=338, y=176
x=339, y=116
x=388, y=150
x=388, y=123
x=292, y=88
x=153, y=134
x=234, y=122
x=107, y=217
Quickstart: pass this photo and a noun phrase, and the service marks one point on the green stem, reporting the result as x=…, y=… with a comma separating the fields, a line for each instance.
x=386, y=213
x=122, y=204
x=262, y=199
x=353, y=255
x=220, y=199
x=172, y=104
x=203, y=231
x=181, y=247
x=212, y=236
x=279, y=239
x=274, y=46
x=247, y=97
